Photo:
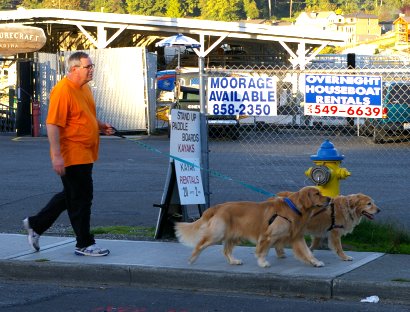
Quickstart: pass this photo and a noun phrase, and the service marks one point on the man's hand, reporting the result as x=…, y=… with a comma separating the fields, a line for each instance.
x=53, y=133
x=106, y=128
x=58, y=165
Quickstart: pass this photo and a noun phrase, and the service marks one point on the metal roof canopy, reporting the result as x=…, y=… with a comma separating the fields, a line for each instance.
x=166, y=26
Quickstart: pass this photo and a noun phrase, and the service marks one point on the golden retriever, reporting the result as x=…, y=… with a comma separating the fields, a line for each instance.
x=341, y=217
x=270, y=223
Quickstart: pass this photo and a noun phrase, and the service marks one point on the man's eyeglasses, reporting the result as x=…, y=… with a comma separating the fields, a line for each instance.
x=91, y=66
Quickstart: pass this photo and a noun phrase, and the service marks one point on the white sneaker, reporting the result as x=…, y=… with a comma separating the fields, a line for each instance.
x=93, y=251
x=33, y=237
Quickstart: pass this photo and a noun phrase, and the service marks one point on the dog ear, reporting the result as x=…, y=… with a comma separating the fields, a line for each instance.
x=344, y=201
x=354, y=200
x=305, y=196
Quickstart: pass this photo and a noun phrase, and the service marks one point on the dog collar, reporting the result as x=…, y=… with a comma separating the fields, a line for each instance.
x=292, y=206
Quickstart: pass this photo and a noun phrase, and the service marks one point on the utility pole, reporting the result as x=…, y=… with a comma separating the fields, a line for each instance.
x=290, y=8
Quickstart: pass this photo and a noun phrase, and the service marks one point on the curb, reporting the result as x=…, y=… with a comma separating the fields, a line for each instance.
x=267, y=284
x=389, y=292
x=91, y=274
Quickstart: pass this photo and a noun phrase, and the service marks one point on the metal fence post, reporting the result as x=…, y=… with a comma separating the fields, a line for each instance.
x=204, y=132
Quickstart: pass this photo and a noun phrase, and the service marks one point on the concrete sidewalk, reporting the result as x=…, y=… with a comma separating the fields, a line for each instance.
x=165, y=264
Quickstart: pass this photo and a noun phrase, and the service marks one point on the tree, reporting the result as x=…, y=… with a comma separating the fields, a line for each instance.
x=60, y=4
x=175, y=9
x=107, y=6
x=220, y=10
x=322, y=5
x=251, y=9
x=147, y=7
x=6, y=4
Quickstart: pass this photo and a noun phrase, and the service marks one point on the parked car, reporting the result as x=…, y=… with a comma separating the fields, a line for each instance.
x=395, y=123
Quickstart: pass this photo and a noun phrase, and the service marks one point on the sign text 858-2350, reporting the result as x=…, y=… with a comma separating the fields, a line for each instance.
x=252, y=96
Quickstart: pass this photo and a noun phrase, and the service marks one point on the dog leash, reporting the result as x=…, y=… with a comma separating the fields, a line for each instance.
x=210, y=171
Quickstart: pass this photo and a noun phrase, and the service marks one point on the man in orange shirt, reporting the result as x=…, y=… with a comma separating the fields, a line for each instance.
x=73, y=133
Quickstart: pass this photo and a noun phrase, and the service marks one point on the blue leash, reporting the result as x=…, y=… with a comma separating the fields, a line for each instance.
x=210, y=171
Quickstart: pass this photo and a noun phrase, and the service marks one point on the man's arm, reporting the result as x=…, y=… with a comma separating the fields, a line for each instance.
x=53, y=133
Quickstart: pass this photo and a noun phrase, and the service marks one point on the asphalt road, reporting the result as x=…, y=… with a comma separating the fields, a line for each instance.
x=129, y=179
x=48, y=297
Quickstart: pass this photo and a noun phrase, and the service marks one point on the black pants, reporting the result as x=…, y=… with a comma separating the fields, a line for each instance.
x=76, y=198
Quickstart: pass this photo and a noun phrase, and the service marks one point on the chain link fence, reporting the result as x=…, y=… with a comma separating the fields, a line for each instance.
x=272, y=153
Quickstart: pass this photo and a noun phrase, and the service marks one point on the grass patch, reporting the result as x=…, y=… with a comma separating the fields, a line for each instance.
x=137, y=231
x=378, y=237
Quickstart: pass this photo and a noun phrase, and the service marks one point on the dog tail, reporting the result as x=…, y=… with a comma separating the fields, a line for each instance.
x=190, y=234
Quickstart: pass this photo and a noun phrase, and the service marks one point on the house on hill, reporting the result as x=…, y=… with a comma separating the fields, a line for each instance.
x=401, y=29
x=359, y=27
x=364, y=27
x=325, y=20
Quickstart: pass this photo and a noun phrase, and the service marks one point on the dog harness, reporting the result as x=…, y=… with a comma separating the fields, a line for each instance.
x=274, y=217
x=333, y=219
x=333, y=224
x=291, y=206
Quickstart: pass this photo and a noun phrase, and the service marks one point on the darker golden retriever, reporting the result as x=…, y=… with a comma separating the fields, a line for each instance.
x=270, y=223
x=340, y=218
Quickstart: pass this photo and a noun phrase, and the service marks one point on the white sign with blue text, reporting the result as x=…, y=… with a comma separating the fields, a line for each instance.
x=185, y=149
x=343, y=95
x=252, y=96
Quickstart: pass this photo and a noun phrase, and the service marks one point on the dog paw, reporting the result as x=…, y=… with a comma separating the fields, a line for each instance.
x=263, y=263
x=281, y=256
x=236, y=262
x=318, y=264
x=347, y=258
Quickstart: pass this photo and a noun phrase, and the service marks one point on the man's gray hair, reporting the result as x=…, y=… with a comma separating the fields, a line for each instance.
x=75, y=59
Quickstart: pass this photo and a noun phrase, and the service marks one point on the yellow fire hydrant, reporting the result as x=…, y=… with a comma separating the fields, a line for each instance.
x=327, y=172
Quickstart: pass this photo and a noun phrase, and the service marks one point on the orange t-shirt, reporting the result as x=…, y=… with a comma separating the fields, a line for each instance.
x=72, y=109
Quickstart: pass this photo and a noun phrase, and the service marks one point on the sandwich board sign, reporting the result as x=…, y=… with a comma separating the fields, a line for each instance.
x=185, y=148
x=183, y=184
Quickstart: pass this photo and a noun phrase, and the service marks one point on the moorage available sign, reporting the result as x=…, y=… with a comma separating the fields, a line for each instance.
x=16, y=38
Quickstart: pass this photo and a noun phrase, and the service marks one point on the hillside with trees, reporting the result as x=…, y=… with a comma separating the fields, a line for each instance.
x=227, y=10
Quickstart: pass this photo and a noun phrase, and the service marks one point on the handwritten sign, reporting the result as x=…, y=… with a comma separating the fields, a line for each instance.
x=185, y=148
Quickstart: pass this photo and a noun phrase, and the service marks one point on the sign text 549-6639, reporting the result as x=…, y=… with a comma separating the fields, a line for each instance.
x=343, y=95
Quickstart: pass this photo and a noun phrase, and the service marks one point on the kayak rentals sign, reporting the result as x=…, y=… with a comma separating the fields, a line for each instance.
x=16, y=38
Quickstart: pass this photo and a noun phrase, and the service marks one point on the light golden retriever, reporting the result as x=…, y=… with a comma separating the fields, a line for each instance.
x=340, y=218
x=270, y=223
